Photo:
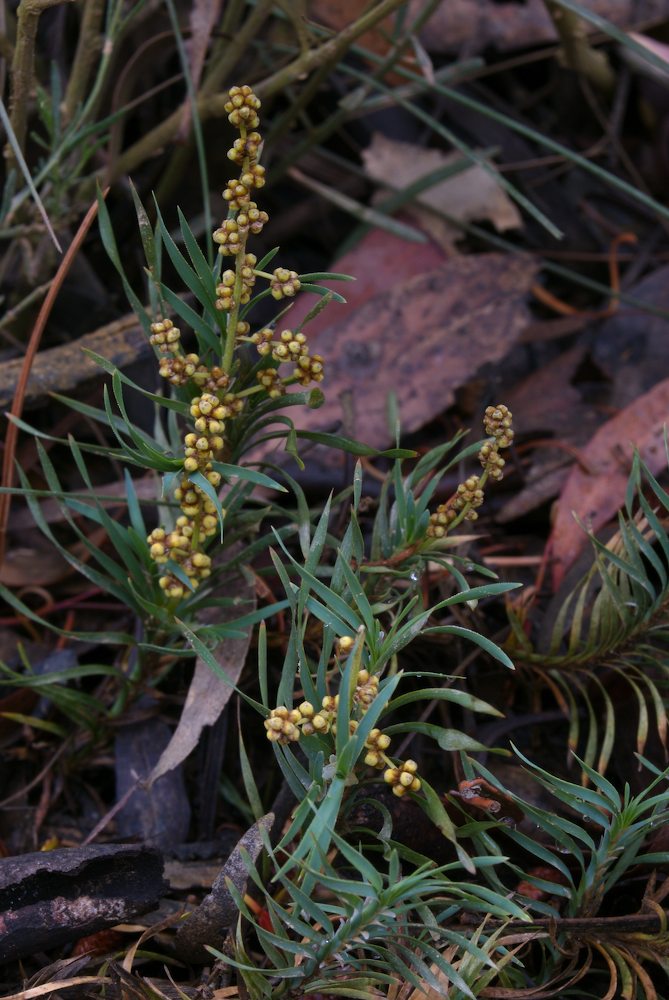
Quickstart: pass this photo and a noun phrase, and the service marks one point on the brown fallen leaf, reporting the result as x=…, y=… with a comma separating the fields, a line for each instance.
x=596, y=496
x=547, y=406
x=421, y=339
x=546, y=402
x=632, y=347
x=377, y=262
x=37, y=565
x=465, y=28
x=208, y=694
x=473, y=194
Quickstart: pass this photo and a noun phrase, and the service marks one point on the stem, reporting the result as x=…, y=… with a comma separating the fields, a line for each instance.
x=236, y=48
x=576, y=50
x=328, y=52
x=23, y=70
x=113, y=31
x=89, y=44
x=212, y=105
x=251, y=391
x=233, y=317
x=209, y=103
x=195, y=540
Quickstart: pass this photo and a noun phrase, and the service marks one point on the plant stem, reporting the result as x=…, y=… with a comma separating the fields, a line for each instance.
x=577, y=52
x=330, y=51
x=231, y=332
x=222, y=66
x=31, y=352
x=23, y=69
x=212, y=105
x=89, y=44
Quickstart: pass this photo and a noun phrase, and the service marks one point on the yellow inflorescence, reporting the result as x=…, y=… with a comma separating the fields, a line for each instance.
x=497, y=422
x=403, y=779
x=213, y=405
x=284, y=725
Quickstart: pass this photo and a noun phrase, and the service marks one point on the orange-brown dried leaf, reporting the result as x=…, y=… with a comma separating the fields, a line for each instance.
x=482, y=795
x=595, y=496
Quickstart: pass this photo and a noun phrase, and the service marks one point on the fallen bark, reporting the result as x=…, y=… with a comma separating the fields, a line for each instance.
x=50, y=898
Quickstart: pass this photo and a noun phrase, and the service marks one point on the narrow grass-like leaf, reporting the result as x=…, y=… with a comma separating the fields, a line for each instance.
x=111, y=369
x=109, y=243
x=248, y=475
x=203, y=484
x=307, y=286
x=479, y=640
x=206, y=654
x=445, y=694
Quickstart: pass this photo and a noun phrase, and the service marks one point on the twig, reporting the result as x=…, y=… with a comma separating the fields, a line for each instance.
x=213, y=105
x=633, y=923
x=23, y=67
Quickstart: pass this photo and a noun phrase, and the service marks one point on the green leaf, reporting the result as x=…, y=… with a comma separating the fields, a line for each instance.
x=435, y=809
x=111, y=369
x=264, y=263
x=448, y=739
x=353, y=447
x=198, y=260
x=248, y=475
x=202, y=483
x=445, y=694
x=208, y=657
x=208, y=340
x=479, y=640
x=321, y=290
x=109, y=243
x=35, y=723
x=186, y=273
x=327, y=276
x=145, y=229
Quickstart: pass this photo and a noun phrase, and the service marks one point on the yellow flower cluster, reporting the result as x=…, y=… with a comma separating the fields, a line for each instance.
x=235, y=286
x=199, y=517
x=497, y=422
x=403, y=779
x=225, y=290
x=245, y=217
x=198, y=520
x=178, y=368
x=178, y=545
x=292, y=348
x=284, y=725
x=284, y=284
x=213, y=404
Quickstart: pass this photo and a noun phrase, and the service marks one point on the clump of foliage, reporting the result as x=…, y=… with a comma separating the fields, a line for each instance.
x=338, y=904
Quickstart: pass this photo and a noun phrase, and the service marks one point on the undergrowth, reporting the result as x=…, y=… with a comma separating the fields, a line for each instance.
x=523, y=899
